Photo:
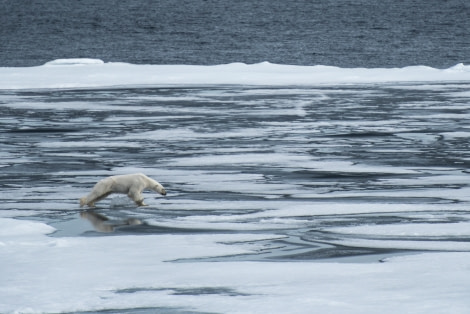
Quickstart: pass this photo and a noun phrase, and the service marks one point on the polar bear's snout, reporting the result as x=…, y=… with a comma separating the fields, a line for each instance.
x=162, y=191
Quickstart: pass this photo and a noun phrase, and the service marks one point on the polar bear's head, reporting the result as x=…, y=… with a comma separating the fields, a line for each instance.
x=151, y=184
x=159, y=189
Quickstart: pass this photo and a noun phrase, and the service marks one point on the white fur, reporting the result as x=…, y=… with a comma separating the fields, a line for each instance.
x=130, y=184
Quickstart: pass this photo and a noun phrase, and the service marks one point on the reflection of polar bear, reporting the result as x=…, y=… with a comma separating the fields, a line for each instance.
x=130, y=184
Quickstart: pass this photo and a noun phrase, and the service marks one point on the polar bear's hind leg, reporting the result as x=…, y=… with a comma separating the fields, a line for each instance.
x=90, y=200
x=99, y=198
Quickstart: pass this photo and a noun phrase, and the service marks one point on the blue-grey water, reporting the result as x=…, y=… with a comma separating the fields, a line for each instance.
x=344, y=33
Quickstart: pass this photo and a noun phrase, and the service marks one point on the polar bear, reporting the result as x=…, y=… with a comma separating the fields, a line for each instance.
x=130, y=184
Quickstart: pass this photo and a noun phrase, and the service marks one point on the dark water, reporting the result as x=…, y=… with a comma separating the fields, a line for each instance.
x=344, y=33
x=294, y=162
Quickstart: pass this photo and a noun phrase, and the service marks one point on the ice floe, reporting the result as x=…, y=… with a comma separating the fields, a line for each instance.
x=94, y=73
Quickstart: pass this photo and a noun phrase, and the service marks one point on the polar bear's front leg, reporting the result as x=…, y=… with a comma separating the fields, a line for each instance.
x=137, y=197
x=141, y=203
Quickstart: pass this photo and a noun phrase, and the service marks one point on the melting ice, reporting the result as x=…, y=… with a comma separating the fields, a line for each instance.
x=291, y=189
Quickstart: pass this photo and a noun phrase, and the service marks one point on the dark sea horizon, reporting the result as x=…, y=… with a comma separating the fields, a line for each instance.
x=343, y=33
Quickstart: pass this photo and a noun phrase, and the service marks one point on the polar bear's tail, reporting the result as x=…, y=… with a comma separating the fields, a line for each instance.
x=83, y=201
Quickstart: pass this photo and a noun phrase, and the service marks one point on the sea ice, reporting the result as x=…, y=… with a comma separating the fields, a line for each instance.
x=92, y=73
x=44, y=269
x=43, y=274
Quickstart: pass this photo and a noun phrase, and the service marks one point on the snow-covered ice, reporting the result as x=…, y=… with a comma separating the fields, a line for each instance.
x=92, y=73
x=47, y=275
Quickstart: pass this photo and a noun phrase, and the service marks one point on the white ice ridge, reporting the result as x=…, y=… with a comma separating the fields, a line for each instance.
x=94, y=73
